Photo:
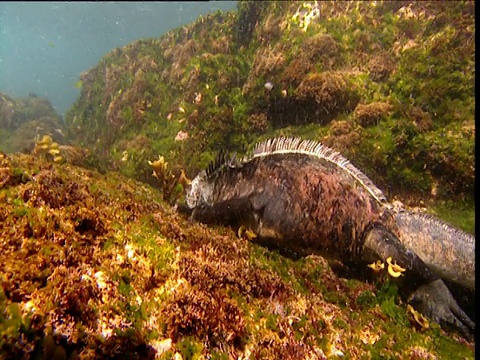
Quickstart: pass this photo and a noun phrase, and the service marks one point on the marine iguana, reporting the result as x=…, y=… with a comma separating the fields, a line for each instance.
x=305, y=197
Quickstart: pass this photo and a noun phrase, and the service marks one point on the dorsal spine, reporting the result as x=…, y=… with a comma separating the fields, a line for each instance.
x=295, y=145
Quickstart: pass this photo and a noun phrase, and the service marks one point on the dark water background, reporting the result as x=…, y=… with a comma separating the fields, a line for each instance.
x=44, y=46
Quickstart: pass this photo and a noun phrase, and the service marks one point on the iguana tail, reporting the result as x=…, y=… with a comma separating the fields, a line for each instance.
x=449, y=252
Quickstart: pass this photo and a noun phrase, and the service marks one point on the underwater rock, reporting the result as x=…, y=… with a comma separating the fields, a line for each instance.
x=17, y=111
x=7, y=112
x=24, y=120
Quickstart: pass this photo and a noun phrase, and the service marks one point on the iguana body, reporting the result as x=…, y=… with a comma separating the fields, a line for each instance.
x=307, y=198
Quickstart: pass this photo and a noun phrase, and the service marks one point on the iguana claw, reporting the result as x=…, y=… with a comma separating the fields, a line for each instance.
x=435, y=301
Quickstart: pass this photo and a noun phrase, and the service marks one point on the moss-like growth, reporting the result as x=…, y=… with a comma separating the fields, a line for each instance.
x=371, y=114
x=329, y=93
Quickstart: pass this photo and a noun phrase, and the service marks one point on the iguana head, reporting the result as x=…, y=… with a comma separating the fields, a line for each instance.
x=199, y=192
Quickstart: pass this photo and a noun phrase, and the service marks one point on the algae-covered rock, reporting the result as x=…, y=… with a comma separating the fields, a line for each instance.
x=301, y=64
x=96, y=267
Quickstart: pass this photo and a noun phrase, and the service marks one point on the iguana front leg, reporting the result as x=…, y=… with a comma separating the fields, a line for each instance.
x=423, y=289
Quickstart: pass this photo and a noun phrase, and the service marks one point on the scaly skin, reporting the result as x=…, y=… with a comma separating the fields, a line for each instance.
x=307, y=199
x=447, y=251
